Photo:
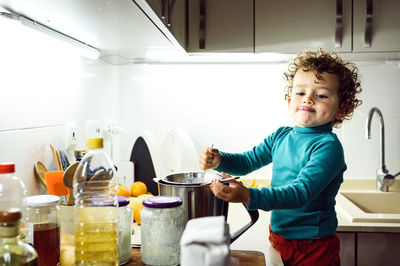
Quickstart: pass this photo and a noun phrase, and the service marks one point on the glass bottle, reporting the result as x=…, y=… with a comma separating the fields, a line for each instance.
x=162, y=223
x=12, y=250
x=96, y=210
x=44, y=231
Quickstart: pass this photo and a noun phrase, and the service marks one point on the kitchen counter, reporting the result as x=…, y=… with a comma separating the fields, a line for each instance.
x=236, y=258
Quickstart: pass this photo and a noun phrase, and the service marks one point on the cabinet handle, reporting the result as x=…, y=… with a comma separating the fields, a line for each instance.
x=202, y=28
x=339, y=23
x=170, y=9
x=368, y=25
x=163, y=7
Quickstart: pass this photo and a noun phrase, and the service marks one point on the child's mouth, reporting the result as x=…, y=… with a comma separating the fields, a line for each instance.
x=306, y=109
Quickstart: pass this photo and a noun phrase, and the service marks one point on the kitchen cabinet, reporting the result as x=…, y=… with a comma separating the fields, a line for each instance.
x=288, y=26
x=365, y=248
x=173, y=15
x=384, y=26
x=221, y=26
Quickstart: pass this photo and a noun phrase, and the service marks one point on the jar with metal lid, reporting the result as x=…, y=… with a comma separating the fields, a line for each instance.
x=125, y=230
x=44, y=230
x=162, y=223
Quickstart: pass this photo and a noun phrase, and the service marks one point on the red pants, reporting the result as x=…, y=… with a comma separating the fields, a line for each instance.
x=308, y=252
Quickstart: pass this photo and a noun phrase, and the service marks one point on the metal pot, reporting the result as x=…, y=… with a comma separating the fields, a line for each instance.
x=198, y=200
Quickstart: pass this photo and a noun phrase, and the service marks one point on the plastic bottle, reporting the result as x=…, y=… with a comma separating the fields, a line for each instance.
x=12, y=189
x=96, y=210
x=12, y=250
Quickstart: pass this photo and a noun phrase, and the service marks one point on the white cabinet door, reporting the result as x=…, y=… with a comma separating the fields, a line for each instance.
x=221, y=26
x=385, y=25
x=289, y=26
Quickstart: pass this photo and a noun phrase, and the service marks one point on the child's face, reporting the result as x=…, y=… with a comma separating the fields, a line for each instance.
x=314, y=102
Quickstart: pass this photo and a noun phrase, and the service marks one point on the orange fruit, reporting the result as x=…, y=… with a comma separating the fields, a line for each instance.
x=123, y=191
x=138, y=188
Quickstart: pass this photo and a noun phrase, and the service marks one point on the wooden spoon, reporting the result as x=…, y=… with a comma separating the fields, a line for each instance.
x=68, y=179
x=40, y=169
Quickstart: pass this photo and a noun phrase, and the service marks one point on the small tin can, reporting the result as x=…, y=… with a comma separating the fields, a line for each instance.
x=162, y=223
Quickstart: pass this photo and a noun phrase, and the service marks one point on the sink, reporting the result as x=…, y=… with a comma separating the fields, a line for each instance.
x=371, y=206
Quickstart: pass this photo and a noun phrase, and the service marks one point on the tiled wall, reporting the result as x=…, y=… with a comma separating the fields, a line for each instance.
x=42, y=86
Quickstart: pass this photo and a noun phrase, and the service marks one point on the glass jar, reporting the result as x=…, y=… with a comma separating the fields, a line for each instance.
x=43, y=225
x=12, y=250
x=125, y=230
x=96, y=210
x=162, y=223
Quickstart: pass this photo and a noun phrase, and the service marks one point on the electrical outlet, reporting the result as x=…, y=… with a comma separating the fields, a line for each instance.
x=71, y=135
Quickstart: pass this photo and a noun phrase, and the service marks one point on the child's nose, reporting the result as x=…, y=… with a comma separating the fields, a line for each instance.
x=308, y=99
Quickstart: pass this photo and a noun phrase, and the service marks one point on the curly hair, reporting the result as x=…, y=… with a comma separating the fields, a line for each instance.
x=320, y=62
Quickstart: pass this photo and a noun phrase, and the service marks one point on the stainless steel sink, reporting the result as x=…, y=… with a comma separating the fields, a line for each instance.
x=372, y=206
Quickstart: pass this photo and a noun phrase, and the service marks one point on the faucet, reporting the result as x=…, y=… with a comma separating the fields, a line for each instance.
x=383, y=179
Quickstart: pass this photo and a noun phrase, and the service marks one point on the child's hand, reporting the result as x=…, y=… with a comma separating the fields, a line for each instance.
x=235, y=192
x=210, y=158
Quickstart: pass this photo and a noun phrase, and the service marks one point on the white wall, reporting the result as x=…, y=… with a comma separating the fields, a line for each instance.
x=235, y=106
x=42, y=86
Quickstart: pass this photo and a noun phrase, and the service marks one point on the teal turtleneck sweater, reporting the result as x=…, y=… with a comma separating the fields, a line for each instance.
x=308, y=166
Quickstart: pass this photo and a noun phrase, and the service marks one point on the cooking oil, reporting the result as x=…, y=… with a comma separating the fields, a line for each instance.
x=96, y=241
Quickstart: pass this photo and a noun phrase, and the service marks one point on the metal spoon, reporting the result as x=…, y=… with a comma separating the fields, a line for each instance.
x=204, y=173
x=222, y=180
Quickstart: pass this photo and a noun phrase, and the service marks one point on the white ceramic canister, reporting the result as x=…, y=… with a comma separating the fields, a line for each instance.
x=162, y=223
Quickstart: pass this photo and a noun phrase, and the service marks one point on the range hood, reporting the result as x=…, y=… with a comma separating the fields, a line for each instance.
x=123, y=30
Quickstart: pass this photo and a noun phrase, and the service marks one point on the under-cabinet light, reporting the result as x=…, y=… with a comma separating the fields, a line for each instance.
x=82, y=48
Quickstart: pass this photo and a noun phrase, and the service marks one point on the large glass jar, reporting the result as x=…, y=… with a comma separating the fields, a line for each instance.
x=125, y=230
x=162, y=223
x=44, y=230
x=96, y=211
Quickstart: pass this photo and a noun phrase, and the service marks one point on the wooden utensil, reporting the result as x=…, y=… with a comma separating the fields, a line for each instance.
x=40, y=169
x=54, y=157
x=68, y=180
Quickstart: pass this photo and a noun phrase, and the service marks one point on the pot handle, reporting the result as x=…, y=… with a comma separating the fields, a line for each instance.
x=254, y=217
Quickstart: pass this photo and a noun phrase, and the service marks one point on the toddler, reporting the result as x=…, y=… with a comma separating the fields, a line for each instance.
x=308, y=161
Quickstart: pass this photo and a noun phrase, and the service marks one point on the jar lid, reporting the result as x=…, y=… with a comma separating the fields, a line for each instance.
x=162, y=202
x=10, y=215
x=95, y=143
x=42, y=200
x=7, y=168
x=122, y=201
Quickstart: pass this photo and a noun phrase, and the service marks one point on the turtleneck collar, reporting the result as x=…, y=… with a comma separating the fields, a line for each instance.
x=313, y=130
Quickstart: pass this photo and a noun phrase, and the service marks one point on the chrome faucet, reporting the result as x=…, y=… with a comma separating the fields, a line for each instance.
x=383, y=179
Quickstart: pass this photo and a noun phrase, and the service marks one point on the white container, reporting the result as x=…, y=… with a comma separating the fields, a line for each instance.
x=162, y=223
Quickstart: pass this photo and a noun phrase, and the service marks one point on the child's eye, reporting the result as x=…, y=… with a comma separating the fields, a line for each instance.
x=321, y=96
x=300, y=93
